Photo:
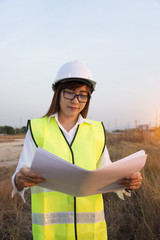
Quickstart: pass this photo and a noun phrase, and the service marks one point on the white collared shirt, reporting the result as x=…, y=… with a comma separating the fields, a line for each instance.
x=69, y=135
x=29, y=149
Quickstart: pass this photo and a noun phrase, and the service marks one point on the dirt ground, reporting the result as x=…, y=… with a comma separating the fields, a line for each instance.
x=10, y=138
x=10, y=149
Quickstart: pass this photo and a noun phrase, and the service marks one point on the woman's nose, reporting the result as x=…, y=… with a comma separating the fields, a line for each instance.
x=75, y=99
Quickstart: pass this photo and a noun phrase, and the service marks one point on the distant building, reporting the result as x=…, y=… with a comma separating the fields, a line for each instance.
x=144, y=127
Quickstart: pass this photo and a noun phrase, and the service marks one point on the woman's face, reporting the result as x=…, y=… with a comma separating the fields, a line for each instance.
x=70, y=107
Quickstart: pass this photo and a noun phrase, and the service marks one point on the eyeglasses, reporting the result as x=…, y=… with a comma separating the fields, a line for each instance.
x=71, y=96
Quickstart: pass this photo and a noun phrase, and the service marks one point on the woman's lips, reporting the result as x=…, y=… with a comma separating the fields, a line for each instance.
x=73, y=108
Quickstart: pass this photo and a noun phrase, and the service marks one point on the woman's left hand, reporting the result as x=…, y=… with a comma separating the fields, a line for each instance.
x=132, y=182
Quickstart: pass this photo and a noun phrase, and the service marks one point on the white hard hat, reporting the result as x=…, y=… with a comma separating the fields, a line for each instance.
x=74, y=71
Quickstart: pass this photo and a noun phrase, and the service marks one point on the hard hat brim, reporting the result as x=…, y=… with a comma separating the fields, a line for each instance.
x=88, y=82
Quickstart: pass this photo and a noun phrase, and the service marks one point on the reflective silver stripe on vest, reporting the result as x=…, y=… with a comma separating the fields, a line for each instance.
x=66, y=217
x=37, y=189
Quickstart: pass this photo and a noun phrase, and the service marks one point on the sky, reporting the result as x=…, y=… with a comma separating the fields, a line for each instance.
x=118, y=40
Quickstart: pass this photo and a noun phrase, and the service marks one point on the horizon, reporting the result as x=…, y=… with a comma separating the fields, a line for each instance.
x=118, y=41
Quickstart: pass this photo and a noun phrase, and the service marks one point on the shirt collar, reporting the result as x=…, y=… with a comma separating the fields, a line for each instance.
x=80, y=119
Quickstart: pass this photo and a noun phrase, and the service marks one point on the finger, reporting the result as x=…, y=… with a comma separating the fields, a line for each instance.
x=32, y=180
x=22, y=179
x=130, y=181
x=130, y=185
x=28, y=173
x=135, y=187
x=29, y=184
x=125, y=180
x=134, y=176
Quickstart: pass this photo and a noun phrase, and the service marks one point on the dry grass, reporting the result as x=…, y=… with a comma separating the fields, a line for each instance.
x=15, y=217
x=136, y=218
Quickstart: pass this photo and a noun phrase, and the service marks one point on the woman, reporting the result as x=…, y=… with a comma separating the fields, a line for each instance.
x=65, y=132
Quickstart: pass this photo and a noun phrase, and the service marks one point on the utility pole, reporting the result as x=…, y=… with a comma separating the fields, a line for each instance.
x=156, y=120
x=116, y=124
x=136, y=124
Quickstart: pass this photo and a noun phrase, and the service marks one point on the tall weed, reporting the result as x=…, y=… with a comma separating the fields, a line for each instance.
x=15, y=216
x=138, y=217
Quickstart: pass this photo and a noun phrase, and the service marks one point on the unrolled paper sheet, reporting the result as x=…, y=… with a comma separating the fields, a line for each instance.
x=67, y=178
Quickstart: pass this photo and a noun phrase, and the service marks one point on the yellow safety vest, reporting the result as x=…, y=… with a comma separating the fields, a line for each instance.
x=58, y=216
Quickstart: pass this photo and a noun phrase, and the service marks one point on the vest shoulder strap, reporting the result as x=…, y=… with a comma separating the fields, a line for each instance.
x=37, y=128
x=99, y=130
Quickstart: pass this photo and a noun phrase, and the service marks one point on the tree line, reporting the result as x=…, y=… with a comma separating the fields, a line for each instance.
x=11, y=131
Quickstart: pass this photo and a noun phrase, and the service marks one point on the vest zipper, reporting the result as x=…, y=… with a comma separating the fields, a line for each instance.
x=69, y=145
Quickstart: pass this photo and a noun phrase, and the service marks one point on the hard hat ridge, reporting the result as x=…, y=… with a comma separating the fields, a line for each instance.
x=74, y=71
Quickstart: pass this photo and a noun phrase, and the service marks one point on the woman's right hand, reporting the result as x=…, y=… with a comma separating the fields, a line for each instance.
x=26, y=178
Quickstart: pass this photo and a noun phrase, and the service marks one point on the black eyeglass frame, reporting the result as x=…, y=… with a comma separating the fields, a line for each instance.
x=76, y=96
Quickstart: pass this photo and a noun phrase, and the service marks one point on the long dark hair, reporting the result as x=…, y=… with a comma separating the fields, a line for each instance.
x=55, y=107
